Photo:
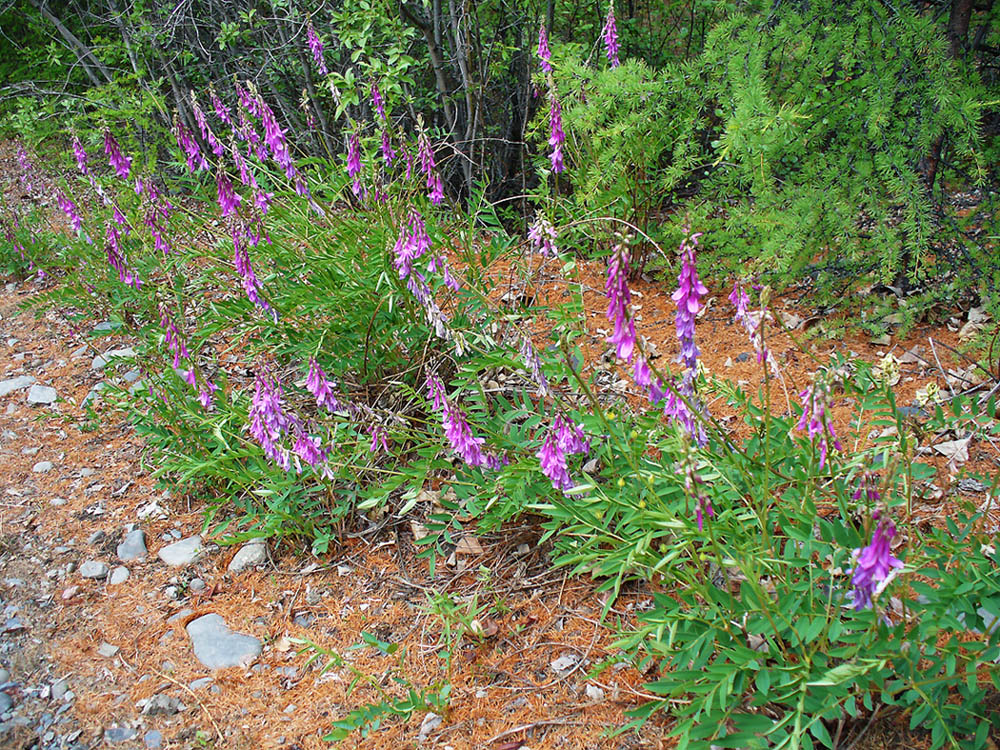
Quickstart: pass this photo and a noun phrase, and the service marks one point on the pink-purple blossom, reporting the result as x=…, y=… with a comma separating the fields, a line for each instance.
x=388, y=154
x=557, y=137
x=610, y=34
x=269, y=422
x=377, y=101
x=322, y=388
x=81, y=156
x=619, y=297
x=69, y=208
x=463, y=442
x=544, y=53
x=873, y=563
x=564, y=438
x=188, y=144
x=229, y=200
x=119, y=162
x=316, y=47
x=354, y=162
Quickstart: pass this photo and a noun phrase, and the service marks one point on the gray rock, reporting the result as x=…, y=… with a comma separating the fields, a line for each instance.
x=94, y=569
x=4, y=676
x=118, y=575
x=97, y=537
x=152, y=739
x=201, y=682
x=133, y=546
x=6, y=703
x=101, y=360
x=250, y=554
x=42, y=466
x=132, y=376
x=59, y=690
x=107, y=650
x=42, y=395
x=431, y=722
x=117, y=735
x=57, y=501
x=162, y=705
x=184, y=552
x=196, y=586
x=15, y=384
x=218, y=647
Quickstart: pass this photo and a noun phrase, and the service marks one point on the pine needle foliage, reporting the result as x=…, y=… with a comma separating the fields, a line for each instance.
x=797, y=135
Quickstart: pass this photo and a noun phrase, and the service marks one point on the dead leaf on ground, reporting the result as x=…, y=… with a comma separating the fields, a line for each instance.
x=468, y=545
x=956, y=451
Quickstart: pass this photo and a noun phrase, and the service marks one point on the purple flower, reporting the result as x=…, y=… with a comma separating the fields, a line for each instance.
x=557, y=137
x=377, y=100
x=316, y=47
x=69, y=208
x=81, y=156
x=610, y=34
x=564, y=438
x=307, y=448
x=463, y=443
x=530, y=357
x=411, y=244
x=867, y=487
x=425, y=153
x=229, y=200
x=121, y=164
x=117, y=259
x=206, y=393
x=206, y=131
x=354, y=162
x=619, y=297
x=542, y=236
x=274, y=137
x=321, y=388
x=187, y=143
x=251, y=284
x=688, y=298
x=221, y=111
x=387, y=151
x=436, y=194
x=815, y=418
x=544, y=53
x=873, y=563
x=268, y=421
x=379, y=439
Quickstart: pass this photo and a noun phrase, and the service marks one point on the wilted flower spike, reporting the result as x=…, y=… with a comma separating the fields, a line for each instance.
x=874, y=563
x=544, y=53
x=815, y=419
x=542, y=236
x=610, y=34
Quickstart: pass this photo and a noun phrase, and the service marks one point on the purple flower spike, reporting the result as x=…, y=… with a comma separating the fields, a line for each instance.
x=316, y=47
x=69, y=208
x=544, y=53
x=436, y=194
x=321, y=388
x=187, y=143
x=81, y=156
x=120, y=163
x=688, y=296
x=610, y=34
x=229, y=200
x=268, y=421
x=619, y=297
x=387, y=151
x=557, y=137
x=354, y=162
x=874, y=564
x=564, y=438
x=377, y=101
x=463, y=443
x=753, y=324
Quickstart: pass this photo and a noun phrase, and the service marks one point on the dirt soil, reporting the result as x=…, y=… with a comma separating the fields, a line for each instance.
x=525, y=683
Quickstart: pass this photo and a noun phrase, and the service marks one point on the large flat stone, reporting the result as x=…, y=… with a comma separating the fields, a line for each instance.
x=133, y=546
x=218, y=647
x=184, y=552
x=15, y=384
x=42, y=394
